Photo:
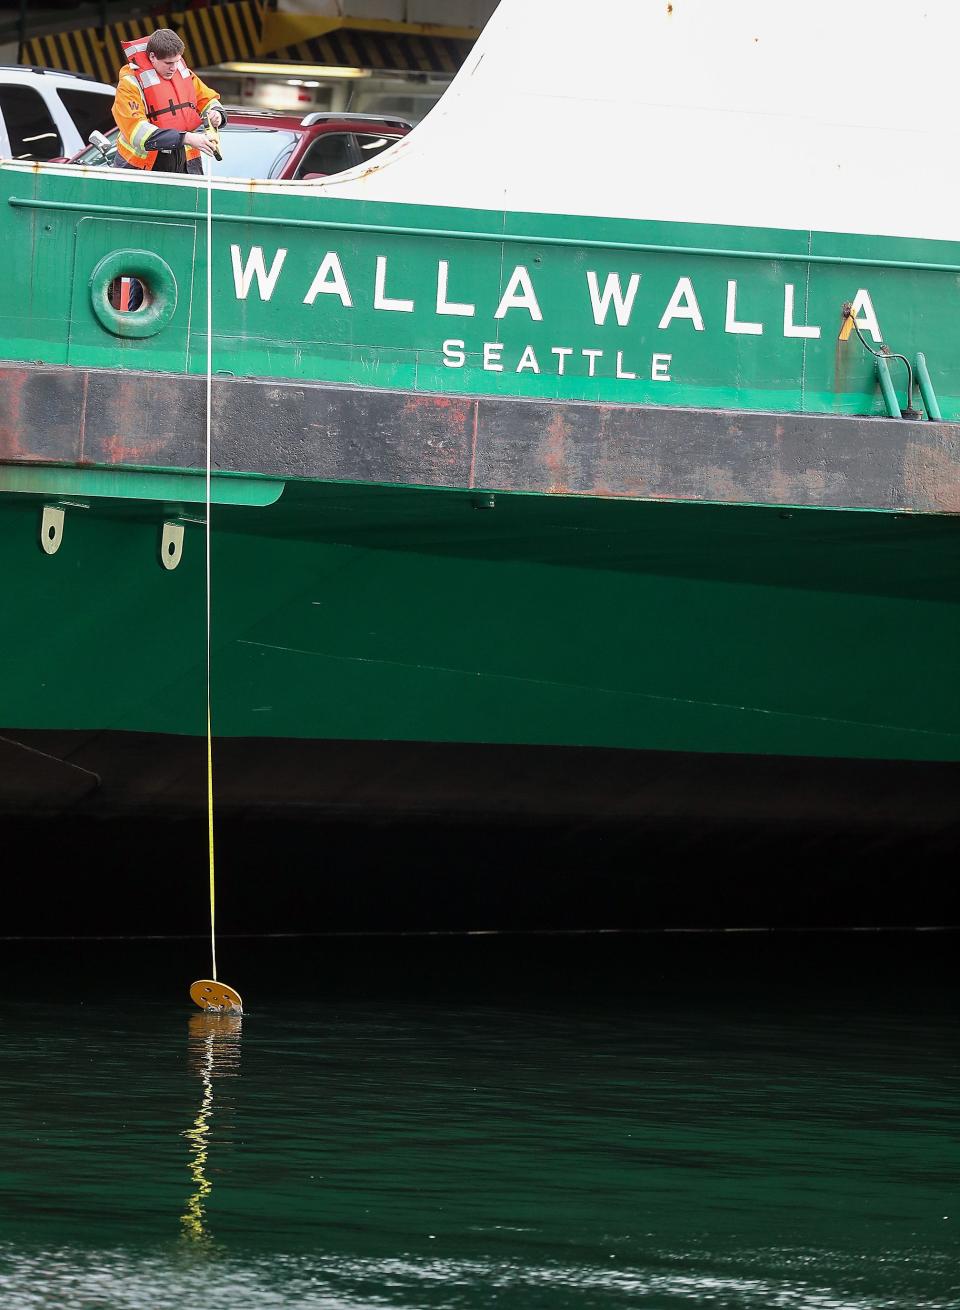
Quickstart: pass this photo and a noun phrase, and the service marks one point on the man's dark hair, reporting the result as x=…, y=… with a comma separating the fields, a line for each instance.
x=164, y=44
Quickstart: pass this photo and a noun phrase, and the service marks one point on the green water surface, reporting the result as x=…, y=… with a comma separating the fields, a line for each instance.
x=671, y=1136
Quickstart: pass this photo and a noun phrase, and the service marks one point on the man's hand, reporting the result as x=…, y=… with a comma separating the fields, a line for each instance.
x=215, y=118
x=199, y=142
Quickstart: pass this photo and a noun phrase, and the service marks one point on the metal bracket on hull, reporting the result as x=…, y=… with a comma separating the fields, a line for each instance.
x=51, y=529
x=171, y=545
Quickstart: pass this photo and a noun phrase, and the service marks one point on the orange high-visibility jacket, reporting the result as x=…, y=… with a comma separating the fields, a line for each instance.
x=139, y=109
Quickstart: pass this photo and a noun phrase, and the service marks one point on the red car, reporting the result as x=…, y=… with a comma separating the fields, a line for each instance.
x=268, y=144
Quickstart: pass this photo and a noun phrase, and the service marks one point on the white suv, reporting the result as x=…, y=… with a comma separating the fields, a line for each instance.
x=47, y=115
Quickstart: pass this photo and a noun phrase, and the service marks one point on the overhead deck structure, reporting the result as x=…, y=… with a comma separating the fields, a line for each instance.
x=232, y=30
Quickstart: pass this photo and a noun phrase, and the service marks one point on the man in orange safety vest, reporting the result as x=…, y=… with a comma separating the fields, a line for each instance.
x=159, y=106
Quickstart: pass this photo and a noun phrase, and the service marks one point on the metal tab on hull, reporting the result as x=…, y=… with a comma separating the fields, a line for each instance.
x=171, y=545
x=51, y=529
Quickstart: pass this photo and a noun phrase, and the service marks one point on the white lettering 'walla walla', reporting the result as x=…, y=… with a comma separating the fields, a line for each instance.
x=614, y=301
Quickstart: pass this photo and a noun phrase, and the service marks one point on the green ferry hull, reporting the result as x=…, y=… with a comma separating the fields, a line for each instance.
x=438, y=710
x=483, y=478
x=399, y=614
x=609, y=470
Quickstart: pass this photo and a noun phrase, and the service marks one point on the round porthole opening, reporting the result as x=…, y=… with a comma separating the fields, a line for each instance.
x=133, y=293
x=128, y=294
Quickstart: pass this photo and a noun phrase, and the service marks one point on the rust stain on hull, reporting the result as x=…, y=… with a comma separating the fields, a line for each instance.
x=932, y=474
x=11, y=428
x=120, y=449
x=553, y=452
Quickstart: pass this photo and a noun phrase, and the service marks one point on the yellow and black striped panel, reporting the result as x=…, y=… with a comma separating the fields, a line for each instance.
x=227, y=30
x=397, y=51
x=86, y=50
x=222, y=33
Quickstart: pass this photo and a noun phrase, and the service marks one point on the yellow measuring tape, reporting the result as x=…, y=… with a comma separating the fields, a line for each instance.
x=209, y=993
x=213, y=888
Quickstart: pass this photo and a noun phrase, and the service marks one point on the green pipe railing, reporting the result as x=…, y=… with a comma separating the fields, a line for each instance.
x=887, y=387
x=930, y=402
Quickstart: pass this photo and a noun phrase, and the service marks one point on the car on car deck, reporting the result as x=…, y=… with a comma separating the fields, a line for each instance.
x=46, y=114
x=269, y=144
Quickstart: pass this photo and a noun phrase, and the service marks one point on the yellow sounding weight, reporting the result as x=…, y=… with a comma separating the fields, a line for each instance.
x=210, y=993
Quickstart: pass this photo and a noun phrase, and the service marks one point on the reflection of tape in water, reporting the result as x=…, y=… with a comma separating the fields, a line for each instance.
x=192, y=1218
x=214, y=1052
x=214, y=1044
